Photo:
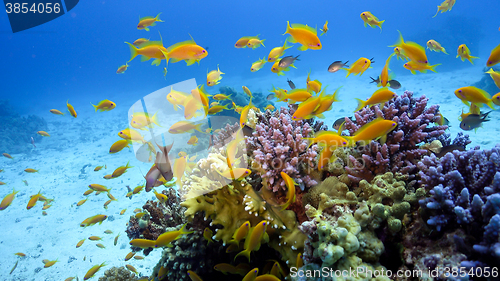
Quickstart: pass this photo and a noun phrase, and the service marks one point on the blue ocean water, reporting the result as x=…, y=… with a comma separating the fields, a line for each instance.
x=75, y=57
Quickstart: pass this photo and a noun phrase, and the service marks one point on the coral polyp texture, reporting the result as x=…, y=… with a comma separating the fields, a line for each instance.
x=278, y=145
x=464, y=188
x=401, y=152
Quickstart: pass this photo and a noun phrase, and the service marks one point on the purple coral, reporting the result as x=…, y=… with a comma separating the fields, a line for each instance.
x=278, y=146
x=465, y=191
x=401, y=152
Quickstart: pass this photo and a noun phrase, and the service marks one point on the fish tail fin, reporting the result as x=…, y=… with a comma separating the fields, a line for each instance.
x=400, y=41
x=95, y=106
x=184, y=231
x=361, y=104
x=262, y=42
x=157, y=18
x=380, y=25
x=245, y=253
x=444, y=50
x=154, y=119
x=491, y=71
x=133, y=51
x=288, y=27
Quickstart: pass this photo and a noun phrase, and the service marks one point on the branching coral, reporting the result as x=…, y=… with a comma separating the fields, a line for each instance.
x=401, y=152
x=465, y=191
x=232, y=205
x=278, y=145
x=158, y=217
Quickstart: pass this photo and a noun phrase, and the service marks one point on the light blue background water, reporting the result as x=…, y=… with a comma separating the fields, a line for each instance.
x=75, y=56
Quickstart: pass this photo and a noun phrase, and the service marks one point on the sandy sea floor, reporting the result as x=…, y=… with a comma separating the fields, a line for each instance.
x=67, y=159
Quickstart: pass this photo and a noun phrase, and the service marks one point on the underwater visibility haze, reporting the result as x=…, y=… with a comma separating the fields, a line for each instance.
x=252, y=140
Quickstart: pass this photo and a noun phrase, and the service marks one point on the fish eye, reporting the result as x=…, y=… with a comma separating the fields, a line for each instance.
x=459, y=91
x=203, y=51
x=319, y=44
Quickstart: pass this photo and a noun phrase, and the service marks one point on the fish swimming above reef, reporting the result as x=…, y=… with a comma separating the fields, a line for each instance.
x=394, y=84
x=473, y=121
x=287, y=61
x=336, y=66
x=339, y=123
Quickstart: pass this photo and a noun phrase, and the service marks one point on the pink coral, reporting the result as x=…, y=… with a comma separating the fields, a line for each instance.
x=278, y=145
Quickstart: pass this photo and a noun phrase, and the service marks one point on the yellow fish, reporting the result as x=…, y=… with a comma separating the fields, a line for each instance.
x=413, y=67
x=7, y=200
x=324, y=29
x=118, y=146
x=433, y=45
x=412, y=50
x=131, y=134
x=495, y=75
x=56, y=112
x=185, y=127
x=104, y=105
x=278, y=69
x=253, y=240
x=140, y=41
x=277, y=52
x=148, y=50
x=446, y=6
x=256, y=66
x=167, y=237
x=188, y=51
x=384, y=76
x=496, y=99
x=296, y=95
x=120, y=171
x=464, y=53
x=93, y=270
x=193, y=276
x=376, y=129
x=214, y=76
x=494, y=57
x=474, y=95
x=255, y=43
x=122, y=68
x=305, y=109
x=71, y=109
x=243, y=41
x=400, y=53
x=98, y=187
x=305, y=35
x=328, y=138
x=177, y=98
x=371, y=20
x=93, y=220
x=43, y=133
x=359, y=66
x=290, y=195
x=142, y=243
x=29, y=170
x=146, y=22
x=240, y=233
x=193, y=140
x=217, y=108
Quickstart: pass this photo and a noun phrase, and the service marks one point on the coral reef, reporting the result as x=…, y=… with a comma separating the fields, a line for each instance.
x=278, y=145
x=342, y=226
x=464, y=188
x=232, y=205
x=118, y=274
x=17, y=130
x=157, y=218
x=401, y=152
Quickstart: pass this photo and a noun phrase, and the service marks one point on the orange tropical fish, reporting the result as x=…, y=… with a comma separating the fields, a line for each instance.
x=464, y=53
x=359, y=66
x=148, y=50
x=122, y=68
x=371, y=20
x=474, y=95
x=7, y=200
x=56, y=112
x=188, y=51
x=305, y=35
x=43, y=133
x=324, y=29
x=433, y=45
x=494, y=56
x=146, y=22
x=243, y=41
x=446, y=6
x=413, y=67
x=376, y=129
x=256, y=66
x=412, y=50
x=255, y=43
x=71, y=109
x=104, y=105
x=214, y=76
x=167, y=237
x=278, y=51
x=380, y=96
x=290, y=195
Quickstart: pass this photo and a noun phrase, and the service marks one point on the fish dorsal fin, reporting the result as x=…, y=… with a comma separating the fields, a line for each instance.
x=180, y=44
x=305, y=27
